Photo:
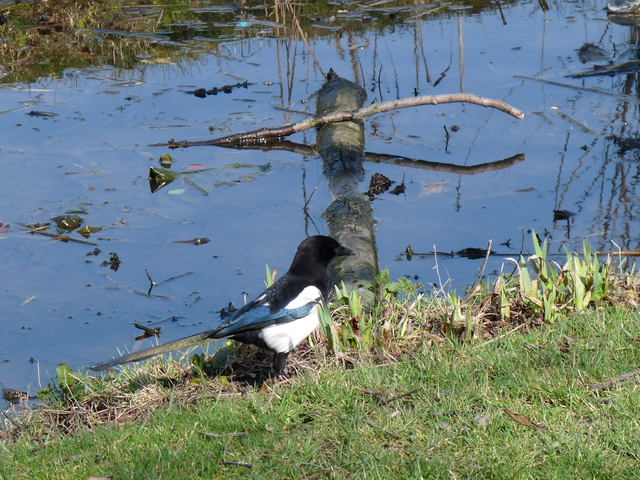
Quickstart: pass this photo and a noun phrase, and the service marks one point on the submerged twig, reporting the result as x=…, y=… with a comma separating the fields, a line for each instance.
x=147, y=331
x=194, y=184
x=55, y=236
x=577, y=87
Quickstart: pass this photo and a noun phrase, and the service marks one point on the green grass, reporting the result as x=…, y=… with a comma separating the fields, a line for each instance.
x=452, y=425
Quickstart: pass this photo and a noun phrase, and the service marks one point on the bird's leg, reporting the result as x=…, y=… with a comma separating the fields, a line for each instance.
x=279, y=360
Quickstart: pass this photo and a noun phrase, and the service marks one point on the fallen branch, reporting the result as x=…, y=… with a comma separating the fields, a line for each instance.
x=263, y=134
x=596, y=387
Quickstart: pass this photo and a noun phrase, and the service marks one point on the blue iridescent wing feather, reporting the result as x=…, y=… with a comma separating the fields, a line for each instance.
x=254, y=316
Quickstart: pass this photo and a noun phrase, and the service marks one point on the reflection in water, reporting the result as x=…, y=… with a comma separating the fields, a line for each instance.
x=622, y=6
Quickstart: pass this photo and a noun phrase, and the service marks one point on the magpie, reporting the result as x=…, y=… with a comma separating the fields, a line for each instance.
x=279, y=318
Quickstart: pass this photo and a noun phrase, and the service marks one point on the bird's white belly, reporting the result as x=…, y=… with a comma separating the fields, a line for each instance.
x=285, y=337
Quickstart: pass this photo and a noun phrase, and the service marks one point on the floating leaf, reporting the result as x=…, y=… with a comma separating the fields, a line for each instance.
x=166, y=160
x=86, y=231
x=562, y=215
x=378, y=184
x=38, y=113
x=399, y=189
x=433, y=188
x=113, y=262
x=159, y=177
x=67, y=223
x=195, y=166
x=240, y=165
x=29, y=300
x=409, y=252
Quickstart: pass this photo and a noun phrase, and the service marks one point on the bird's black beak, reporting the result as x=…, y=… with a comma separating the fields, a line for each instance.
x=344, y=252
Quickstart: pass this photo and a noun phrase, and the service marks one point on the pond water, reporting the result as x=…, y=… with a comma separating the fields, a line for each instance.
x=89, y=155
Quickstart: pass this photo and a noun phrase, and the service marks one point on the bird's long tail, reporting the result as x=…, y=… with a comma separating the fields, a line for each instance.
x=192, y=341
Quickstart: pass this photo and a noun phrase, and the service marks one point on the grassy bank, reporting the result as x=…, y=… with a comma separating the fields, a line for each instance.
x=521, y=380
x=518, y=407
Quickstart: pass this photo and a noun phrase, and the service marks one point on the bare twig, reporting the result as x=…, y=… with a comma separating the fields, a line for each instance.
x=383, y=430
x=399, y=397
x=226, y=435
x=596, y=387
x=238, y=464
x=147, y=331
x=263, y=134
x=377, y=395
x=501, y=336
x=484, y=265
x=522, y=420
x=383, y=401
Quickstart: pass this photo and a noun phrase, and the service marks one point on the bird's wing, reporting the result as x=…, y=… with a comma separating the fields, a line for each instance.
x=192, y=341
x=259, y=316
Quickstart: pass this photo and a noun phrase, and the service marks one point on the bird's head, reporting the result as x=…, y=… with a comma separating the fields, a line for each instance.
x=318, y=250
